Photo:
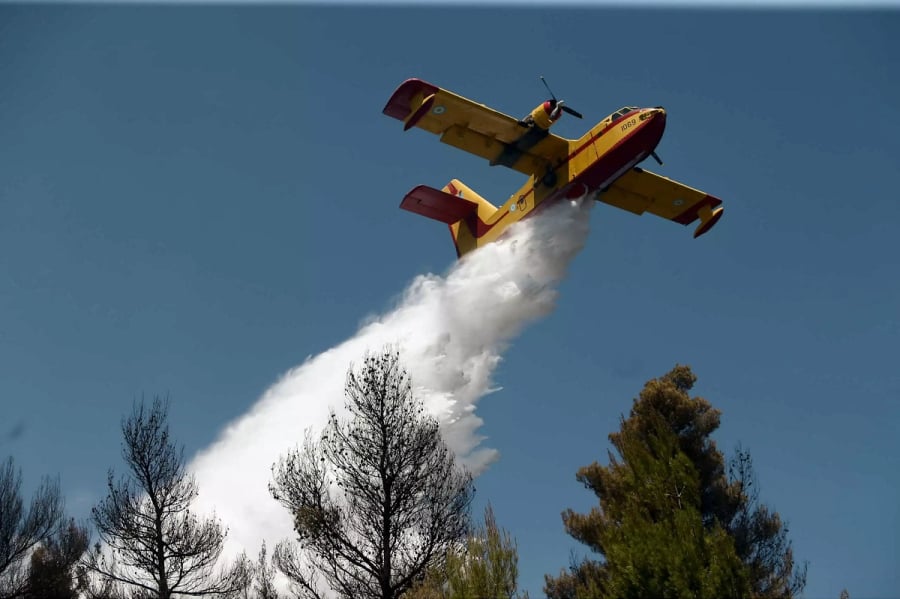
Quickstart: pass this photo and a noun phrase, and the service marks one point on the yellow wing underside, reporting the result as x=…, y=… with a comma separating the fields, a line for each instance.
x=640, y=191
x=485, y=132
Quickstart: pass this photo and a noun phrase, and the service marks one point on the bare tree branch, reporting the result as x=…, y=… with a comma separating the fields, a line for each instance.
x=377, y=499
x=22, y=530
x=159, y=546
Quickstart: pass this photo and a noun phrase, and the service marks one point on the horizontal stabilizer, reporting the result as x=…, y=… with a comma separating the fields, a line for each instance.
x=438, y=205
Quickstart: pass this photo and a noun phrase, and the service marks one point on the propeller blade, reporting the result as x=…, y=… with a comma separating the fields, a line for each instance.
x=574, y=113
x=558, y=104
x=548, y=88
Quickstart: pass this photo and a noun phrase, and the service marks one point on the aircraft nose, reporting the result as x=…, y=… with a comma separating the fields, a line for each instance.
x=660, y=115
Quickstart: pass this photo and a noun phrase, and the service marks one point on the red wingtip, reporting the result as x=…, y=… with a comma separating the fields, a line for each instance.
x=398, y=106
x=710, y=223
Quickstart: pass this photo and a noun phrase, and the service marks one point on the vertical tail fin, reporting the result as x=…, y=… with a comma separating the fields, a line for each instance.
x=465, y=231
x=461, y=208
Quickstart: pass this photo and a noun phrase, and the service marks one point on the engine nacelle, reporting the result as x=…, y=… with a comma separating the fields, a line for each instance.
x=545, y=114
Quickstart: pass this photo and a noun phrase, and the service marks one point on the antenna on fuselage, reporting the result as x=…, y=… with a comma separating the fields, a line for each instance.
x=559, y=104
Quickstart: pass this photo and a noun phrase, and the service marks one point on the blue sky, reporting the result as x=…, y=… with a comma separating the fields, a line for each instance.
x=194, y=200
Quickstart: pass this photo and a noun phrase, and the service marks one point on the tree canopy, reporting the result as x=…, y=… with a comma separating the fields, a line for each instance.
x=485, y=567
x=156, y=544
x=54, y=571
x=671, y=522
x=378, y=499
x=23, y=529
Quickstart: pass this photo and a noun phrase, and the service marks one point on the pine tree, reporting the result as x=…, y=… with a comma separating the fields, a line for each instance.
x=24, y=527
x=378, y=499
x=668, y=510
x=155, y=545
x=53, y=573
x=485, y=567
x=488, y=566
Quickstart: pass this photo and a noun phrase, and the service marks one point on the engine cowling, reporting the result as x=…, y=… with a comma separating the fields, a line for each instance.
x=545, y=114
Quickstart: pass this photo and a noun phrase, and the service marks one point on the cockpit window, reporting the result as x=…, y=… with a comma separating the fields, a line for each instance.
x=621, y=112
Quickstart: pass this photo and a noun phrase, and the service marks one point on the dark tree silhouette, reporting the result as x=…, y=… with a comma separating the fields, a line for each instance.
x=21, y=529
x=264, y=577
x=155, y=544
x=54, y=564
x=379, y=498
x=761, y=538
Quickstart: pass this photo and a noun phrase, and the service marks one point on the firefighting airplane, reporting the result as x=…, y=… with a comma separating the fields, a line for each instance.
x=603, y=162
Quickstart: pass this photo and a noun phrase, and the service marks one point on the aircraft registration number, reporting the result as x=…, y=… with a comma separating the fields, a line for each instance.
x=629, y=124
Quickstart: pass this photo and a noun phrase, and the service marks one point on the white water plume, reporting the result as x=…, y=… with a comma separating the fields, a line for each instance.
x=450, y=332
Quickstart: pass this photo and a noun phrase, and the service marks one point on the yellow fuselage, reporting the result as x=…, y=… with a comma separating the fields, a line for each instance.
x=594, y=162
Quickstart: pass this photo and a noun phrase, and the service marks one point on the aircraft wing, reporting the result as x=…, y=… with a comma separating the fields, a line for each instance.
x=475, y=128
x=640, y=191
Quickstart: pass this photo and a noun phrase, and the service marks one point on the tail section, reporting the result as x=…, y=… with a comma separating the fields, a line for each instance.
x=465, y=232
x=458, y=206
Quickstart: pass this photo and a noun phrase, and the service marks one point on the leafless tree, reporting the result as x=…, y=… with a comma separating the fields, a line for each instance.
x=21, y=529
x=154, y=544
x=264, y=572
x=379, y=498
